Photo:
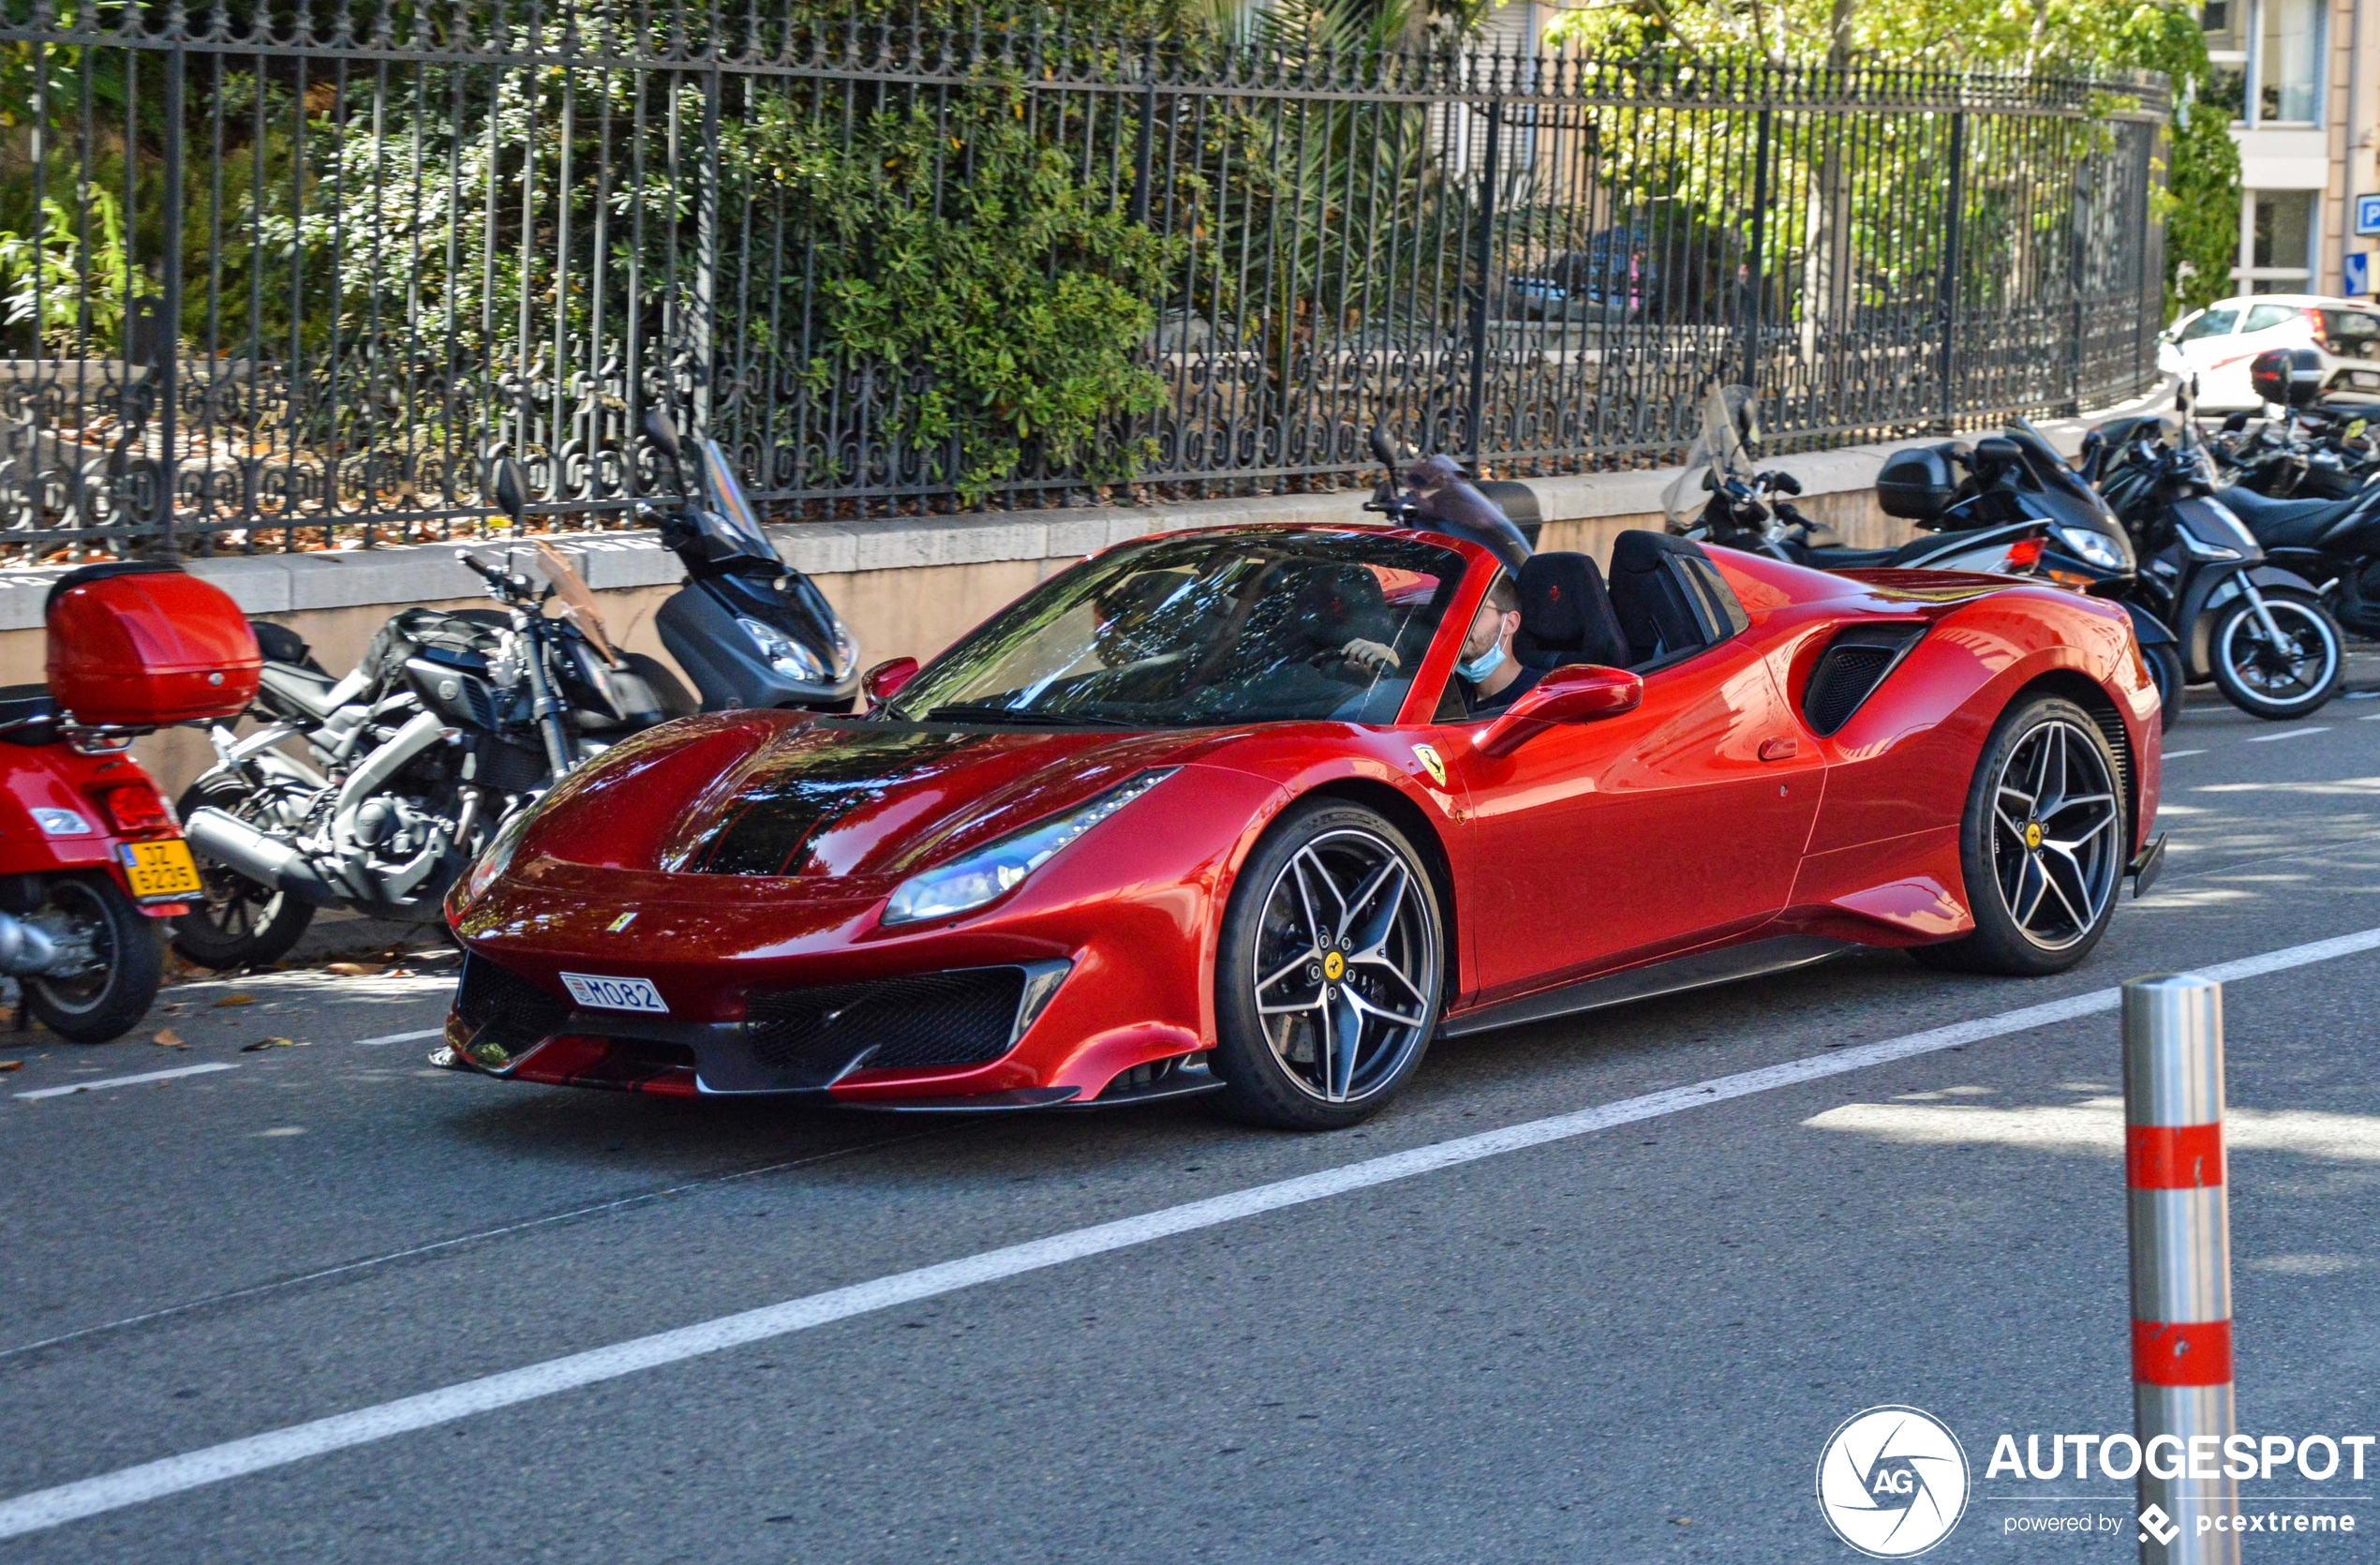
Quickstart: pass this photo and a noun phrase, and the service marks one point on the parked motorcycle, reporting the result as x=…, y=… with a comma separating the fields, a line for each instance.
x=748, y=629
x=2331, y=541
x=2258, y=631
x=2008, y=504
x=90, y=860
x=449, y=723
x=453, y=722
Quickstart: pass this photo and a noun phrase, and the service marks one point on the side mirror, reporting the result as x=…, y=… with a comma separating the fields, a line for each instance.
x=1383, y=450
x=1574, y=692
x=887, y=680
x=2236, y=422
x=511, y=490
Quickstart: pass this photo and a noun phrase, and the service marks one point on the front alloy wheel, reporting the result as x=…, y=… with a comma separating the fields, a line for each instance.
x=1329, y=977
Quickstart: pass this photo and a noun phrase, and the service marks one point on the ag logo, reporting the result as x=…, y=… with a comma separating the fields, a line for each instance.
x=1892, y=1481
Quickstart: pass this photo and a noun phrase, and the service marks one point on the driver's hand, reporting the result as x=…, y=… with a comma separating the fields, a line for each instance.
x=1371, y=655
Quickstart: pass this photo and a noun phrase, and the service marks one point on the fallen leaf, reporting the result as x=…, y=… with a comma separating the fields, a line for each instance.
x=169, y=1039
x=11, y=1064
x=353, y=969
x=268, y=1043
x=231, y=1000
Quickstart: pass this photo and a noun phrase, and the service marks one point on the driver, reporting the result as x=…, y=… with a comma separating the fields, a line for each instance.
x=1493, y=679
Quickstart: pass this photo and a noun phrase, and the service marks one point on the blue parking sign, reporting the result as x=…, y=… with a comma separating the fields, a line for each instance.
x=2356, y=275
x=2368, y=214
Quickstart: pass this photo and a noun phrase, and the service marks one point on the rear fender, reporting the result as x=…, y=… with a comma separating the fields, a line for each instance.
x=1904, y=761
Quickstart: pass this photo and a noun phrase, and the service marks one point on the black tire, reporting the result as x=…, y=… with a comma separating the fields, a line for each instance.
x=2165, y=670
x=2020, y=931
x=106, y=999
x=1284, y=1072
x=239, y=923
x=2278, y=689
x=676, y=700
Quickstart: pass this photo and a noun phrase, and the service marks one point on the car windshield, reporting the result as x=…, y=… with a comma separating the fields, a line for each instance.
x=2211, y=324
x=1223, y=627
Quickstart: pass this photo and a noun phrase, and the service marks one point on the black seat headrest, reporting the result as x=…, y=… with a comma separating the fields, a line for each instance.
x=1670, y=600
x=1566, y=614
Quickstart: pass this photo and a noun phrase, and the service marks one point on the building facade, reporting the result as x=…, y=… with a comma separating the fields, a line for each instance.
x=2300, y=80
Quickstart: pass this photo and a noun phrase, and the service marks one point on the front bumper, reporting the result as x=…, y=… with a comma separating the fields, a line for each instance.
x=801, y=1039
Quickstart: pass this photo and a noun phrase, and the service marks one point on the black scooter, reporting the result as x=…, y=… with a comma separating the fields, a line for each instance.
x=748, y=629
x=2258, y=631
x=2330, y=539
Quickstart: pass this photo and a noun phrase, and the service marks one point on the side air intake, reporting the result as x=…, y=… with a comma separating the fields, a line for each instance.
x=1850, y=668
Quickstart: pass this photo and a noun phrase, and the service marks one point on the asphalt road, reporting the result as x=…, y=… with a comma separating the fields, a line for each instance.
x=1625, y=1344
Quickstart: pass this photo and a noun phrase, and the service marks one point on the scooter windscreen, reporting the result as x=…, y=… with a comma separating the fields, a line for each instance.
x=727, y=517
x=1717, y=453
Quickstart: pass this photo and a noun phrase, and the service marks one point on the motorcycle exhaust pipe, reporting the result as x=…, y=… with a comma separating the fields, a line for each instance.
x=247, y=852
x=24, y=949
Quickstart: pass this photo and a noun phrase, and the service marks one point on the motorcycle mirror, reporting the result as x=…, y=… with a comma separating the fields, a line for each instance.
x=2236, y=422
x=511, y=490
x=663, y=433
x=884, y=681
x=1384, y=451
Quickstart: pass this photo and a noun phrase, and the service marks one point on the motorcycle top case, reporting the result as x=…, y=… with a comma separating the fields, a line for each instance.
x=134, y=645
x=1918, y=485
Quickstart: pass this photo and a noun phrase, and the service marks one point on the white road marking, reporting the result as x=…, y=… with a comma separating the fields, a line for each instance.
x=2177, y=754
x=172, y=1475
x=2292, y=734
x=401, y=1037
x=127, y=1081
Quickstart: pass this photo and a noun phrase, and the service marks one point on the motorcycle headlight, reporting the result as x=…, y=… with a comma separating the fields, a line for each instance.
x=496, y=858
x=993, y=871
x=2096, y=547
x=785, y=654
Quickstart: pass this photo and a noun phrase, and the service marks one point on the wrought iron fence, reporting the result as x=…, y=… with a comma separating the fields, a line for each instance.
x=289, y=275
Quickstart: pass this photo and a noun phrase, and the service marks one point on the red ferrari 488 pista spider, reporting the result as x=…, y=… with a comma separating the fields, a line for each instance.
x=1248, y=811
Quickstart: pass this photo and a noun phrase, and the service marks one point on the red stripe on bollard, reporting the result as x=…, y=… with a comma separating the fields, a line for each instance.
x=2182, y=1353
x=2173, y=1156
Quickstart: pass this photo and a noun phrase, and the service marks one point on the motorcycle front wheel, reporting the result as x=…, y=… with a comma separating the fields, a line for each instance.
x=105, y=994
x=2165, y=670
x=239, y=923
x=2281, y=683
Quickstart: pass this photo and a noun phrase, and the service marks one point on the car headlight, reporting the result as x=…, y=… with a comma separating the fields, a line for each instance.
x=998, y=867
x=2096, y=547
x=497, y=856
x=785, y=654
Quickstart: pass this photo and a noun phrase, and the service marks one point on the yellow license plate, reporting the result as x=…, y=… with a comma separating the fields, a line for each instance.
x=160, y=871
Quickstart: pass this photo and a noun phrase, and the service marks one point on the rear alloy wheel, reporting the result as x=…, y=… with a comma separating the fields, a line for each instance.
x=1329, y=977
x=236, y=923
x=2279, y=682
x=2043, y=844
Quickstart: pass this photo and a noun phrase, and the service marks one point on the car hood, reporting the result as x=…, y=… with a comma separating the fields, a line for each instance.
x=841, y=800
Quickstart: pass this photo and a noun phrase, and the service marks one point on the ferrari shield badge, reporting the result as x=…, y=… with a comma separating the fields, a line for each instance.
x=1432, y=762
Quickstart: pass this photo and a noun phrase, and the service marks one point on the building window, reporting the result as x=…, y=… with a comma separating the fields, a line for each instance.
x=2280, y=242
x=2289, y=61
x=2267, y=59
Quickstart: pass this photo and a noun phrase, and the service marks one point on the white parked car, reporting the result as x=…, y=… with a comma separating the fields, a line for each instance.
x=2217, y=344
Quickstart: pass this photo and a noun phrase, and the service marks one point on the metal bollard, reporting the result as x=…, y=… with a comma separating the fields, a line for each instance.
x=2180, y=1223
